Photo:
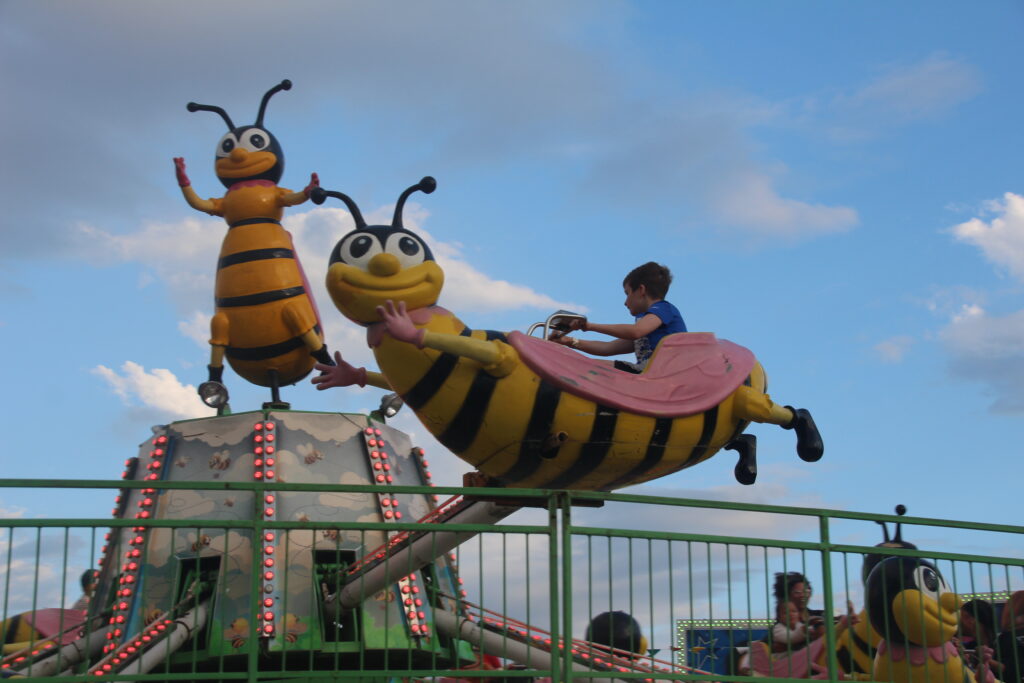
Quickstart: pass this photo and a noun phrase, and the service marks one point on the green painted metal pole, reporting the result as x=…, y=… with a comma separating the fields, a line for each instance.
x=566, y=659
x=554, y=503
x=826, y=578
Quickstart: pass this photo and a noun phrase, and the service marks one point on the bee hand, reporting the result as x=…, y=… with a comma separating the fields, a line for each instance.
x=399, y=324
x=342, y=374
x=314, y=181
x=179, y=170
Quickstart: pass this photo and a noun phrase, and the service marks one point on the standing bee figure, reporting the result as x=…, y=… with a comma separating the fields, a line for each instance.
x=266, y=322
x=529, y=413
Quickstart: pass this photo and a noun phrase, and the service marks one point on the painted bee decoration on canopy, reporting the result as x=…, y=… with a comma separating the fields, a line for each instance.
x=523, y=411
x=266, y=322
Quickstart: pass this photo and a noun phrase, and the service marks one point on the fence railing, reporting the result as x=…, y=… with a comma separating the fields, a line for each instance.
x=696, y=577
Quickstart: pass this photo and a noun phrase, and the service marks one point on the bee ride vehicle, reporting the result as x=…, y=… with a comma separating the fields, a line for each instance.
x=528, y=413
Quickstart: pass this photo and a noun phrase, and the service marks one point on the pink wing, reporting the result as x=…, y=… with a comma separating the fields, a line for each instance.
x=689, y=373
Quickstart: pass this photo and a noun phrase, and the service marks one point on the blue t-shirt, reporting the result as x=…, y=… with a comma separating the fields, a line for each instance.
x=671, y=322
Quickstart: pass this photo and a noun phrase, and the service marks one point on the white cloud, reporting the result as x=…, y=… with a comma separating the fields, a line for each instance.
x=700, y=154
x=749, y=199
x=12, y=512
x=468, y=289
x=1001, y=240
x=910, y=92
x=893, y=350
x=196, y=328
x=465, y=287
x=985, y=348
x=182, y=256
x=990, y=350
x=176, y=243
x=158, y=389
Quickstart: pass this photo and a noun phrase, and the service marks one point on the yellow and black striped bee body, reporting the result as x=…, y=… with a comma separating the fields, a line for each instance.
x=261, y=296
x=265, y=323
x=474, y=393
x=19, y=633
x=509, y=427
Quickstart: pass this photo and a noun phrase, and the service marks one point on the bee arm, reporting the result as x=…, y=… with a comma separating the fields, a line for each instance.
x=289, y=198
x=496, y=357
x=210, y=206
x=376, y=379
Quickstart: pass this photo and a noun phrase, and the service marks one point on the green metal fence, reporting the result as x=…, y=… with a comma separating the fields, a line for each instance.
x=696, y=575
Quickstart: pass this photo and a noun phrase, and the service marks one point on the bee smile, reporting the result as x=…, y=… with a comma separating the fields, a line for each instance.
x=255, y=163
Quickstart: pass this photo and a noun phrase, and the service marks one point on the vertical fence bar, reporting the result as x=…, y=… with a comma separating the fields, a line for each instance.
x=826, y=579
x=561, y=661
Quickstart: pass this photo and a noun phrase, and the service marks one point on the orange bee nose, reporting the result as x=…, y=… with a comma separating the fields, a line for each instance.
x=238, y=154
x=384, y=265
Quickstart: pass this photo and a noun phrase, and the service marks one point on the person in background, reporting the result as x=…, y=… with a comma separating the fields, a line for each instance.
x=977, y=629
x=88, y=580
x=789, y=632
x=1008, y=654
x=793, y=588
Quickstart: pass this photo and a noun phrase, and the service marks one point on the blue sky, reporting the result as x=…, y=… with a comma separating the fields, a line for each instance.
x=836, y=186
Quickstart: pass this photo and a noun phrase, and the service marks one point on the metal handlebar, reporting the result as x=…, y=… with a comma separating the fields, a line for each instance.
x=559, y=321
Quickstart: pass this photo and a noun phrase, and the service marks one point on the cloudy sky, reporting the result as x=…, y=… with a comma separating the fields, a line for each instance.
x=836, y=186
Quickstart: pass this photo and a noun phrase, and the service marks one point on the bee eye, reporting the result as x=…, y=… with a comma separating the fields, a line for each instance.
x=407, y=248
x=254, y=139
x=358, y=248
x=226, y=144
x=930, y=581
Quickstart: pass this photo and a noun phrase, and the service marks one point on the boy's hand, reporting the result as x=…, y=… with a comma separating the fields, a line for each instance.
x=563, y=340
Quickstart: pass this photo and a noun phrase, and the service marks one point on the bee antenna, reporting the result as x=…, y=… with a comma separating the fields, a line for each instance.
x=900, y=510
x=319, y=195
x=192, y=106
x=283, y=85
x=426, y=185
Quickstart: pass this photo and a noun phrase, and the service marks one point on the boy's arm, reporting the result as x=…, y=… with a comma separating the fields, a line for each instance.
x=600, y=348
x=625, y=331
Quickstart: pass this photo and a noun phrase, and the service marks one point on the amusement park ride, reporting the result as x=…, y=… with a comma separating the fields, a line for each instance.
x=524, y=412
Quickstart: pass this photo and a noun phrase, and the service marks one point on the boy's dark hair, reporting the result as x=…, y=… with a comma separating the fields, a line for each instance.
x=654, y=276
